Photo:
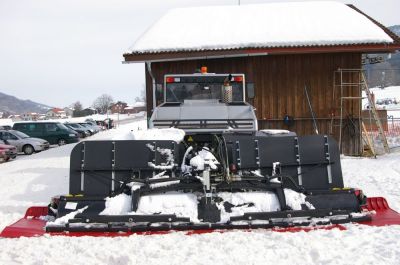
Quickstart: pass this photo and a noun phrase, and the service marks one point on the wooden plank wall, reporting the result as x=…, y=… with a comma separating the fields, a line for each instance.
x=279, y=82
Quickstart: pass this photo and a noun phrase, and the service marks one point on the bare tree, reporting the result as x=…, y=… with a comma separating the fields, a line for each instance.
x=142, y=97
x=77, y=109
x=103, y=103
x=77, y=106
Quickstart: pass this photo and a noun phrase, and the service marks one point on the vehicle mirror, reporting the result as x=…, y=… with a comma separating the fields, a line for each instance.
x=250, y=90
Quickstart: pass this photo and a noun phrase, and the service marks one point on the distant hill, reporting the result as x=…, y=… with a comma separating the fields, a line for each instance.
x=12, y=105
x=395, y=29
x=386, y=73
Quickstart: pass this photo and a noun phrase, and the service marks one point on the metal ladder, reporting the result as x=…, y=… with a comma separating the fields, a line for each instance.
x=340, y=82
x=365, y=88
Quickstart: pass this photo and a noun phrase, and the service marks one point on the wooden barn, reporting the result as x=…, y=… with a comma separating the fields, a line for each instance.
x=286, y=51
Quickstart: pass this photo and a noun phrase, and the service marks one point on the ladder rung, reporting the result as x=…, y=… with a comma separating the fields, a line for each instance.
x=364, y=87
x=375, y=114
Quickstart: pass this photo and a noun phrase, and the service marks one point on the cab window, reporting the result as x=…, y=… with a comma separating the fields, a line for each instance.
x=51, y=127
x=8, y=136
x=34, y=127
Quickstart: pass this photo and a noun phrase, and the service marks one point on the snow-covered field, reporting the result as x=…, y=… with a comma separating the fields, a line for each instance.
x=95, y=117
x=387, y=98
x=32, y=180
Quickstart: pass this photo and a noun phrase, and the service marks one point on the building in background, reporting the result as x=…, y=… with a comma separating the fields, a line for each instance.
x=135, y=108
x=68, y=111
x=118, y=107
x=56, y=113
x=30, y=116
x=282, y=52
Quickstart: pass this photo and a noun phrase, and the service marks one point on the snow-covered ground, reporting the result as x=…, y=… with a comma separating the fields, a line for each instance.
x=95, y=117
x=387, y=98
x=32, y=180
x=102, y=117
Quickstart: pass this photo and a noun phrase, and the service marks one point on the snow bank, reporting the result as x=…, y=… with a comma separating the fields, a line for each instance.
x=204, y=157
x=8, y=122
x=260, y=201
x=294, y=200
x=185, y=204
x=64, y=220
x=102, y=117
x=172, y=134
x=118, y=205
x=376, y=177
x=274, y=131
x=138, y=124
x=181, y=204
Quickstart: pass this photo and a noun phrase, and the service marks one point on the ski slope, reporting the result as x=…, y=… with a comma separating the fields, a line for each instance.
x=32, y=180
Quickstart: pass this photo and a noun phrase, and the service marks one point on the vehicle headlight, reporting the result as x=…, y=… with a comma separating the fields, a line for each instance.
x=71, y=135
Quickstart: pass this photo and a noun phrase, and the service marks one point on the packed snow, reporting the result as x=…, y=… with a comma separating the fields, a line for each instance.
x=172, y=134
x=64, y=220
x=204, y=158
x=96, y=117
x=272, y=25
x=32, y=180
x=260, y=201
x=274, y=131
x=181, y=204
x=185, y=204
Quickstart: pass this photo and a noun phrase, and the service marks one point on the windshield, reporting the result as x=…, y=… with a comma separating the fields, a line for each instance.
x=20, y=134
x=62, y=126
x=200, y=87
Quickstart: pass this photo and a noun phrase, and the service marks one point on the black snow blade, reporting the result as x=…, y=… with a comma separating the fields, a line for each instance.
x=165, y=227
x=320, y=213
x=106, y=219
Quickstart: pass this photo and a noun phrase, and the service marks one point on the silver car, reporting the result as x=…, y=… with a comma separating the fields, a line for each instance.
x=23, y=142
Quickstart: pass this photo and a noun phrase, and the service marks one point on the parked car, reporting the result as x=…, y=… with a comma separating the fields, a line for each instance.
x=94, y=124
x=5, y=127
x=2, y=157
x=23, y=142
x=7, y=152
x=82, y=131
x=53, y=132
x=108, y=123
x=89, y=127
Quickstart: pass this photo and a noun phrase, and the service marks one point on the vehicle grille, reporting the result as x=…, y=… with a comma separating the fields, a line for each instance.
x=206, y=124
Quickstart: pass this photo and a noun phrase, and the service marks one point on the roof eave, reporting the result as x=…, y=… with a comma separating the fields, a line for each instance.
x=244, y=52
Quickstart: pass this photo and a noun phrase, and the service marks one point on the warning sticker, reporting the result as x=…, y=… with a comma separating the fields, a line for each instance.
x=71, y=205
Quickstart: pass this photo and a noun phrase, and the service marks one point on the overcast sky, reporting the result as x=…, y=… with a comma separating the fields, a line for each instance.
x=56, y=52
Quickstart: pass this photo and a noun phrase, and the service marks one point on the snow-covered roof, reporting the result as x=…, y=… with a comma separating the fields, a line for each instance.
x=138, y=104
x=290, y=24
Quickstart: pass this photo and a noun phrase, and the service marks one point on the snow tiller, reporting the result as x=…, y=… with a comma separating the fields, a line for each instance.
x=203, y=166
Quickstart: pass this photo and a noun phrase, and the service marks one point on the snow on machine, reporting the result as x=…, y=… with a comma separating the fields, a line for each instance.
x=204, y=165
